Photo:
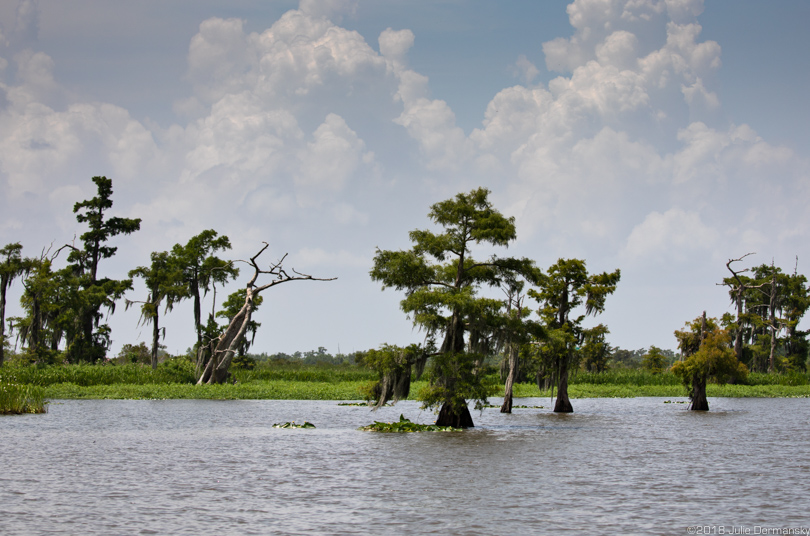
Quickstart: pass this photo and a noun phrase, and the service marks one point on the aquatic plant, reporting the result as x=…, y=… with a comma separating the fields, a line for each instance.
x=404, y=426
x=16, y=399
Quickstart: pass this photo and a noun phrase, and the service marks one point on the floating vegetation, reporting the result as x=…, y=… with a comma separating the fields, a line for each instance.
x=513, y=407
x=366, y=404
x=306, y=424
x=16, y=399
x=404, y=426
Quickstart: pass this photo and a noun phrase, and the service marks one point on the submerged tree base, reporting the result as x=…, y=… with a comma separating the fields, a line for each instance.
x=563, y=405
x=449, y=417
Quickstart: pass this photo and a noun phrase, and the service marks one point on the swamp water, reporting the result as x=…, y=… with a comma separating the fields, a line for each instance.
x=616, y=466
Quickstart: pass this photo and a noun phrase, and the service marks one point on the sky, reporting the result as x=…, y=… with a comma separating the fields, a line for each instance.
x=659, y=137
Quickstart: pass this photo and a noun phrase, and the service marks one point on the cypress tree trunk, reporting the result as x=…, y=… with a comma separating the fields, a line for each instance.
x=510, y=380
x=698, y=396
x=3, y=285
x=448, y=416
x=563, y=405
x=155, y=337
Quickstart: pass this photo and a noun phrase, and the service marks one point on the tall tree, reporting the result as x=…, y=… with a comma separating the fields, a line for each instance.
x=202, y=270
x=566, y=286
x=50, y=301
x=11, y=268
x=739, y=285
x=516, y=331
x=224, y=347
x=97, y=292
x=441, y=280
x=164, y=281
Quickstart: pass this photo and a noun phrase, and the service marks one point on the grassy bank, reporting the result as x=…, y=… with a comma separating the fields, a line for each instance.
x=298, y=381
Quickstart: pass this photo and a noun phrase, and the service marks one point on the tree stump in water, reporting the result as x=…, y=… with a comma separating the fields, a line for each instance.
x=448, y=417
x=698, y=396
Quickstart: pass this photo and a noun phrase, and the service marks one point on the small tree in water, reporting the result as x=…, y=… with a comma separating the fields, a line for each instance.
x=709, y=357
x=441, y=279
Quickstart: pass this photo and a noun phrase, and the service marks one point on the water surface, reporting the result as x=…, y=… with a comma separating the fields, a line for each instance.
x=616, y=466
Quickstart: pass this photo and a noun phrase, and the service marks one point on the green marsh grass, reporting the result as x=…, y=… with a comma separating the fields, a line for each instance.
x=16, y=399
x=280, y=380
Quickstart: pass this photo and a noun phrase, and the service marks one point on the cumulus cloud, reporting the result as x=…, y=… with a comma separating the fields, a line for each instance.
x=297, y=54
x=623, y=157
x=332, y=157
x=674, y=235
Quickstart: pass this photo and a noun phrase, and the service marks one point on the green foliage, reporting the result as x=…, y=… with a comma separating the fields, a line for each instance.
x=259, y=390
x=298, y=371
x=202, y=270
x=91, y=293
x=621, y=376
x=406, y=426
x=713, y=361
x=163, y=279
x=244, y=362
x=595, y=350
x=689, y=338
x=131, y=354
x=654, y=360
x=16, y=399
x=452, y=379
x=11, y=267
x=393, y=365
x=178, y=370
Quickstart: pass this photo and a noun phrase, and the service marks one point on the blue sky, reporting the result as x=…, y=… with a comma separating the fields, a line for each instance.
x=662, y=138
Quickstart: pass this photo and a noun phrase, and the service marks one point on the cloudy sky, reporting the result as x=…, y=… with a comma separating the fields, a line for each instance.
x=659, y=137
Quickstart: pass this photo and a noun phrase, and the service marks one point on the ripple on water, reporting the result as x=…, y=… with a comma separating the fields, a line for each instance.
x=634, y=466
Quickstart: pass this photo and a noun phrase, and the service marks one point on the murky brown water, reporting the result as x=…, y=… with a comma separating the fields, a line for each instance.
x=616, y=466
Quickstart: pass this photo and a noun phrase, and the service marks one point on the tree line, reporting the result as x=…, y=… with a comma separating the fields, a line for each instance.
x=537, y=325
x=65, y=309
x=470, y=309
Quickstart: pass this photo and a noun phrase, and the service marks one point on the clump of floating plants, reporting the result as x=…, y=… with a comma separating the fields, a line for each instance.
x=513, y=407
x=404, y=426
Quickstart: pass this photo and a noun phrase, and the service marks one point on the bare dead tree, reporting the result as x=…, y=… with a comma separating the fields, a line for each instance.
x=223, y=348
x=737, y=292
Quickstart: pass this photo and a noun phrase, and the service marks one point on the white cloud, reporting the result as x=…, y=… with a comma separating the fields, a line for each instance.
x=674, y=235
x=328, y=9
x=394, y=44
x=331, y=158
x=527, y=70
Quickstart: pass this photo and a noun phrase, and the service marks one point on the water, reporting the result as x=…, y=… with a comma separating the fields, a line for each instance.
x=616, y=466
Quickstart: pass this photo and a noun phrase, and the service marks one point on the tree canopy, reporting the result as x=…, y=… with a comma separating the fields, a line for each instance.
x=441, y=279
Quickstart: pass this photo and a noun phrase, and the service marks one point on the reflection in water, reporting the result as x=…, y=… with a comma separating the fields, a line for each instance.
x=629, y=466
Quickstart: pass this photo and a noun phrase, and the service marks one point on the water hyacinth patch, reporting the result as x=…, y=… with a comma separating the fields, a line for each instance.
x=16, y=399
x=405, y=426
x=292, y=424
